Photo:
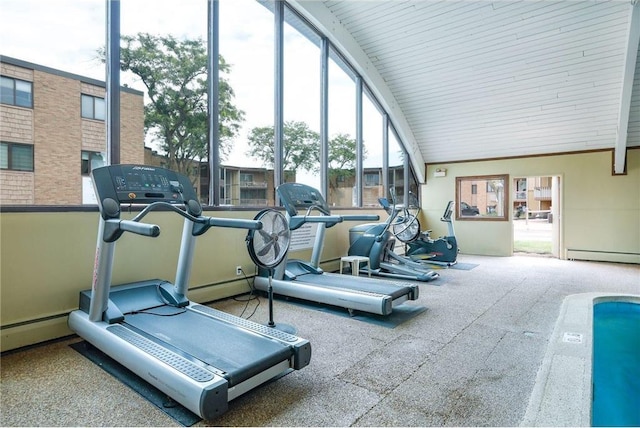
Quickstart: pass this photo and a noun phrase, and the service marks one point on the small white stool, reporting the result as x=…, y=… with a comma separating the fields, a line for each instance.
x=355, y=261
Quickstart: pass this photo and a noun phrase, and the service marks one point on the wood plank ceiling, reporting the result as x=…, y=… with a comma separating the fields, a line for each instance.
x=479, y=79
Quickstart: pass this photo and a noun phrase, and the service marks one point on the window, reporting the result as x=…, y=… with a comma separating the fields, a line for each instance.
x=301, y=103
x=341, y=131
x=16, y=157
x=372, y=179
x=93, y=107
x=91, y=161
x=474, y=204
x=372, y=151
x=16, y=92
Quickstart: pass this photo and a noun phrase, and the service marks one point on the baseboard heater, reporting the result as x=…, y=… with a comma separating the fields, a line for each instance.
x=603, y=256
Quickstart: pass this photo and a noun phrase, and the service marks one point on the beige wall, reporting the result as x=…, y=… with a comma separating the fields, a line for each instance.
x=599, y=213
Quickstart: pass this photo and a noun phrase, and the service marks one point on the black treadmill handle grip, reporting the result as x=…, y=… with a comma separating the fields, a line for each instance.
x=361, y=217
x=235, y=223
x=145, y=229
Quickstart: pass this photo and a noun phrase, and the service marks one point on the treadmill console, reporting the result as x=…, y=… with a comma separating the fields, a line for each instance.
x=141, y=184
x=296, y=197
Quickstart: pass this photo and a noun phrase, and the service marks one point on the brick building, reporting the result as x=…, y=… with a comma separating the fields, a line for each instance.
x=53, y=131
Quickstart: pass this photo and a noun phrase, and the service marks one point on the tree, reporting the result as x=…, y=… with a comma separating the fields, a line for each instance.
x=175, y=75
x=302, y=150
x=342, y=159
x=301, y=146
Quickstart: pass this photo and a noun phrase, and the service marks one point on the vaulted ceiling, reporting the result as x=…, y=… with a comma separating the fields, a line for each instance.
x=466, y=80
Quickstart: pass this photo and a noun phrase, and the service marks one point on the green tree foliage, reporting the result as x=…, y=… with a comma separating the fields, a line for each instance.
x=342, y=159
x=301, y=146
x=301, y=150
x=175, y=74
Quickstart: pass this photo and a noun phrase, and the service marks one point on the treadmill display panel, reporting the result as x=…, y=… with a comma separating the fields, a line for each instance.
x=296, y=196
x=141, y=184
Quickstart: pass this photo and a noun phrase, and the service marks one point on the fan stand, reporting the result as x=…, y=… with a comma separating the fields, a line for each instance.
x=286, y=328
x=273, y=239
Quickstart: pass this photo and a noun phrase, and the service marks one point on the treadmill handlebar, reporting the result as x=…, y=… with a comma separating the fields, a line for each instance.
x=145, y=229
x=114, y=228
x=297, y=221
x=235, y=223
x=204, y=223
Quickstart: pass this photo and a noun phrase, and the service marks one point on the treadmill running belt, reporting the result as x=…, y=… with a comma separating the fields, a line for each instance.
x=363, y=284
x=238, y=353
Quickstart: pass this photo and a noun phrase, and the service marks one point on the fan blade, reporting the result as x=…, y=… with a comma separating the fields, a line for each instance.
x=264, y=250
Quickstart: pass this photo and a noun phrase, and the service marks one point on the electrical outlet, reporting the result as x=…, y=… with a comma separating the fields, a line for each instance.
x=238, y=270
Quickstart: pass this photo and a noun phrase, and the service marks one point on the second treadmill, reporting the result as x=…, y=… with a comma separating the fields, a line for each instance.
x=307, y=281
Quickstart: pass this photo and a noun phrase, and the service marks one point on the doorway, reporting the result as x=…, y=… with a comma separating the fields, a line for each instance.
x=536, y=215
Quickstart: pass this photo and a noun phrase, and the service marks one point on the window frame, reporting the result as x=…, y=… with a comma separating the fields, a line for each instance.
x=14, y=92
x=94, y=99
x=90, y=153
x=487, y=216
x=10, y=161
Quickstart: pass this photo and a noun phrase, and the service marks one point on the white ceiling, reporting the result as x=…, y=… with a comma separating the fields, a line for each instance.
x=467, y=80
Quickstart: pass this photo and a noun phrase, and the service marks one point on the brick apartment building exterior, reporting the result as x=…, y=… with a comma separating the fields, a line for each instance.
x=52, y=131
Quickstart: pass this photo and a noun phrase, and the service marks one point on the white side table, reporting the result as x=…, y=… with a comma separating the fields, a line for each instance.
x=355, y=261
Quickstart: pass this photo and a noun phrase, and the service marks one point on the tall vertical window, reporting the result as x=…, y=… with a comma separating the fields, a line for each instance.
x=93, y=107
x=16, y=157
x=396, y=158
x=248, y=51
x=16, y=92
x=301, y=100
x=372, y=128
x=342, y=132
x=167, y=51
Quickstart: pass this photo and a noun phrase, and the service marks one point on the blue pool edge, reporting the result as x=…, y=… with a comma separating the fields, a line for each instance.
x=562, y=393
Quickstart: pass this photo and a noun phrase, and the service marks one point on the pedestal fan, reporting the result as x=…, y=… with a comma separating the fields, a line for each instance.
x=267, y=248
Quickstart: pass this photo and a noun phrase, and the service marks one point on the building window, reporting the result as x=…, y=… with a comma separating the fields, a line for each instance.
x=16, y=157
x=91, y=161
x=371, y=179
x=93, y=107
x=16, y=92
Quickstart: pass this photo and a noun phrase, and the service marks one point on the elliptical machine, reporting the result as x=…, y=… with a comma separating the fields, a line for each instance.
x=419, y=246
x=376, y=241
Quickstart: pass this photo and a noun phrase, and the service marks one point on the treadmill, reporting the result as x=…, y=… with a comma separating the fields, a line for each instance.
x=307, y=281
x=201, y=357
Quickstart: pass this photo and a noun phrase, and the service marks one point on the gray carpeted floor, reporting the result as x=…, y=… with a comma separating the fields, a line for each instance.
x=469, y=359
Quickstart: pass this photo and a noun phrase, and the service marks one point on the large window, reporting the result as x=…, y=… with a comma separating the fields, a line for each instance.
x=248, y=52
x=16, y=92
x=396, y=158
x=342, y=131
x=336, y=137
x=92, y=107
x=372, y=132
x=16, y=157
x=301, y=104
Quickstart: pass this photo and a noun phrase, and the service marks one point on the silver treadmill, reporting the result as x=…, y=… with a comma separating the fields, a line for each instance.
x=307, y=281
x=201, y=357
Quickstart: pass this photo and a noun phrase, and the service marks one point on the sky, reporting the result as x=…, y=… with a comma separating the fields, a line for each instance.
x=65, y=35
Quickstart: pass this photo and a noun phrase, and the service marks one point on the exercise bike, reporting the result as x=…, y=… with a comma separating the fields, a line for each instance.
x=419, y=246
x=376, y=241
